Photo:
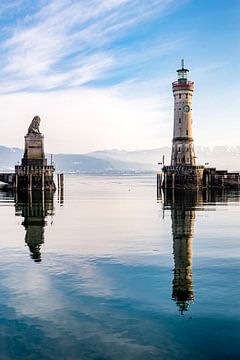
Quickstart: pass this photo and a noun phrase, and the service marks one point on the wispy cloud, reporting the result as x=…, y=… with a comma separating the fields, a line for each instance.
x=69, y=43
x=108, y=65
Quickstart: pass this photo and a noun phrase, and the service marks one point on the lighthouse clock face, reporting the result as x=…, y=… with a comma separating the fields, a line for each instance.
x=186, y=108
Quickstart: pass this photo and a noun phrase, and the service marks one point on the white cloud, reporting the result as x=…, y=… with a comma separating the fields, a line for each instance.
x=46, y=43
x=50, y=55
x=84, y=120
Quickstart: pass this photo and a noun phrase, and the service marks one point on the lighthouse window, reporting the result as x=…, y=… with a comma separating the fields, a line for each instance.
x=187, y=132
x=186, y=96
x=179, y=149
x=180, y=96
x=180, y=120
x=179, y=108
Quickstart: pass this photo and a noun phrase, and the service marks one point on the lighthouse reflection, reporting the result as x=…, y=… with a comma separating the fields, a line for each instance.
x=34, y=207
x=182, y=206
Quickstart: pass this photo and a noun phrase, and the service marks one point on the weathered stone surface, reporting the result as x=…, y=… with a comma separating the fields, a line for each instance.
x=183, y=145
x=34, y=126
x=34, y=150
x=34, y=173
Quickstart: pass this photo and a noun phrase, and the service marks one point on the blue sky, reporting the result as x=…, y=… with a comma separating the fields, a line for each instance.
x=99, y=72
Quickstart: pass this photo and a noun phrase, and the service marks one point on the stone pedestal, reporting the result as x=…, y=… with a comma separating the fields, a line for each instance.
x=34, y=151
x=34, y=173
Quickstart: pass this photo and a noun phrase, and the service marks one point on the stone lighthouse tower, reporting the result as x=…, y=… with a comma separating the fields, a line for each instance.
x=182, y=144
x=183, y=173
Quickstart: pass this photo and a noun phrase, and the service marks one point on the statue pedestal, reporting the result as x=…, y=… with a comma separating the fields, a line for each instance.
x=34, y=151
x=34, y=173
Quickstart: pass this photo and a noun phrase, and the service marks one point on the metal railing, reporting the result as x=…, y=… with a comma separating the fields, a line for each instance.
x=188, y=83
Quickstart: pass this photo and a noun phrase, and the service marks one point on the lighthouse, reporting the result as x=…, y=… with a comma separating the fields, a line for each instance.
x=182, y=143
x=182, y=173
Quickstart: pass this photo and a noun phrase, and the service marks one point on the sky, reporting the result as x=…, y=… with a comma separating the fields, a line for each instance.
x=99, y=72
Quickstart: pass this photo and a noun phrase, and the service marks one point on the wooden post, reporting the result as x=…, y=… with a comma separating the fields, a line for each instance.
x=16, y=197
x=157, y=181
x=61, y=181
x=43, y=201
x=30, y=198
x=159, y=185
x=30, y=182
x=61, y=189
x=16, y=181
x=43, y=181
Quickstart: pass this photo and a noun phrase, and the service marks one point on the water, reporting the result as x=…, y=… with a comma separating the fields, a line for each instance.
x=111, y=272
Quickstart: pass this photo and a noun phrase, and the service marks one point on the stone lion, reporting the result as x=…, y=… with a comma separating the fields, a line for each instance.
x=34, y=126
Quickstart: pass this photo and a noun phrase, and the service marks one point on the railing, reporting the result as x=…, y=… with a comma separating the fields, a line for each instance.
x=182, y=167
x=34, y=170
x=188, y=83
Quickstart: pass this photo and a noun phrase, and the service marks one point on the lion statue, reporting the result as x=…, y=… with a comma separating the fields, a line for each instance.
x=34, y=126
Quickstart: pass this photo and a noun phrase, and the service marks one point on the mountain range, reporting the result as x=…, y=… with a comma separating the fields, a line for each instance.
x=125, y=162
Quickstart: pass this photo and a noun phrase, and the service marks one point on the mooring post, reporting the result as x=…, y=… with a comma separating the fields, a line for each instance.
x=16, y=181
x=165, y=180
x=43, y=201
x=173, y=180
x=29, y=182
x=61, y=189
x=43, y=181
x=61, y=200
x=30, y=198
x=158, y=183
x=159, y=176
x=61, y=181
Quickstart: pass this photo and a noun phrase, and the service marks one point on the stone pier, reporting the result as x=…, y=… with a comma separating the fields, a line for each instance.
x=34, y=173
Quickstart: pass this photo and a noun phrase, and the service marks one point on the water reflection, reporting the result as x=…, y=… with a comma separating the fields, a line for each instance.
x=183, y=206
x=6, y=198
x=34, y=207
x=111, y=282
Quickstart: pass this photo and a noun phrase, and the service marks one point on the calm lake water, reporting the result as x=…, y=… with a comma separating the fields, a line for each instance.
x=111, y=272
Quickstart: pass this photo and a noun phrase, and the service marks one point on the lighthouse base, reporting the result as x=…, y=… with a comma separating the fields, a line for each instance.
x=182, y=177
x=187, y=177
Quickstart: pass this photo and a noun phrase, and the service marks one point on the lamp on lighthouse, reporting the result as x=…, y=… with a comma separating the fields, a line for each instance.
x=182, y=74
